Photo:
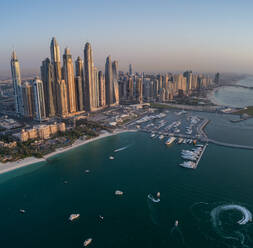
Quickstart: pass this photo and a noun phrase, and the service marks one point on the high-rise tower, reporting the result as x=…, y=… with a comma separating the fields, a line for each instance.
x=16, y=80
x=102, y=95
x=39, y=102
x=56, y=62
x=68, y=72
x=47, y=76
x=88, y=78
x=80, y=73
x=115, y=66
x=109, y=81
x=139, y=90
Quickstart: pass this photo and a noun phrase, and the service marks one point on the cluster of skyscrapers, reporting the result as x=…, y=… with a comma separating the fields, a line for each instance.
x=64, y=91
x=160, y=88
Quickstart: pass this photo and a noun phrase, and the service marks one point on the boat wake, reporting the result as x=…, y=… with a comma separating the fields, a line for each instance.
x=153, y=205
x=121, y=149
x=224, y=223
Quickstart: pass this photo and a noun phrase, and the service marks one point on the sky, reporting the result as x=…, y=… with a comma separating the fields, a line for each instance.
x=154, y=36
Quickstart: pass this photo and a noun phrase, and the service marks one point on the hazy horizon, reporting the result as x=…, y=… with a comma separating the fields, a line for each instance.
x=156, y=36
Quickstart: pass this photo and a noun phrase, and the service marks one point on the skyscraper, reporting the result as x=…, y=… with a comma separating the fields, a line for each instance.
x=115, y=66
x=88, y=75
x=130, y=89
x=28, y=99
x=102, y=95
x=56, y=62
x=47, y=76
x=69, y=77
x=80, y=73
x=130, y=70
x=139, y=90
x=62, y=98
x=39, y=102
x=109, y=81
x=95, y=87
x=79, y=93
x=16, y=81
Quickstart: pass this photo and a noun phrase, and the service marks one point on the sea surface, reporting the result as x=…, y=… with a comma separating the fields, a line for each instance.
x=208, y=202
x=234, y=96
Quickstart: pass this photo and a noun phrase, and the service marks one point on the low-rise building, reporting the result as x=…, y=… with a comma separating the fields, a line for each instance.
x=40, y=131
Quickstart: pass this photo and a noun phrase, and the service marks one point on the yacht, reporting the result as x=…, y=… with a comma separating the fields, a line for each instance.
x=87, y=242
x=188, y=164
x=161, y=137
x=158, y=194
x=176, y=223
x=152, y=135
x=111, y=157
x=118, y=192
x=22, y=211
x=170, y=140
x=74, y=216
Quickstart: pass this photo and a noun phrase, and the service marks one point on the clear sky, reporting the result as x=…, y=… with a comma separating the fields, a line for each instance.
x=153, y=35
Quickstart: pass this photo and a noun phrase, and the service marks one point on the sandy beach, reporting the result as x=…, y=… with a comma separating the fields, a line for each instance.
x=9, y=166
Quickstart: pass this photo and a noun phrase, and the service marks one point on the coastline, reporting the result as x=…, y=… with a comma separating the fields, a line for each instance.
x=10, y=166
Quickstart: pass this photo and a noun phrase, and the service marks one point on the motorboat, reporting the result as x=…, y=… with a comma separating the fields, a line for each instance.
x=87, y=242
x=74, y=217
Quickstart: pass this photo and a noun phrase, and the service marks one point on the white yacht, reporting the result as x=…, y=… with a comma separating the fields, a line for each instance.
x=74, y=217
x=118, y=192
x=170, y=140
x=111, y=157
x=87, y=242
x=176, y=223
x=188, y=164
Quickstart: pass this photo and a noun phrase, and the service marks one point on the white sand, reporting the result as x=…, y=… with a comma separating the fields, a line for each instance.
x=9, y=166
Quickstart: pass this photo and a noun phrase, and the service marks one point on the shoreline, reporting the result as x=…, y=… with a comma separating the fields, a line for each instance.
x=10, y=166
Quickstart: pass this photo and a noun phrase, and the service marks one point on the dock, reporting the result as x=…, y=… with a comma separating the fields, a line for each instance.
x=204, y=148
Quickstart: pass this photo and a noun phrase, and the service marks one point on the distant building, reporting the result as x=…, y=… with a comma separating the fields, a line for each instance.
x=79, y=93
x=102, y=95
x=115, y=67
x=139, y=90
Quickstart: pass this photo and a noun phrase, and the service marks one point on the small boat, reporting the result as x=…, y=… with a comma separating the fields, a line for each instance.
x=158, y=194
x=150, y=197
x=118, y=192
x=176, y=223
x=87, y=242
x=22, y=211
x=161, y=137
x=111, y=157
x=152, y=135
x=101, y=217
x=65, y=182
x=87, y=171
x=170, y=140
x=74, y=216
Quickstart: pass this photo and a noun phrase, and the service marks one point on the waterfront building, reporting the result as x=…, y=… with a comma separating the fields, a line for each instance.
x=39, y=102
x=47, y=77
x=115, y=67
x=102, y=94
x=68, y=72
x=88, y=78
x=40, y=131
x=28, y=101
x=109, y=81
x=16, y=81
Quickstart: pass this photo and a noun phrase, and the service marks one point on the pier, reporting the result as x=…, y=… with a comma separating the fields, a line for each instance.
x=200, y=156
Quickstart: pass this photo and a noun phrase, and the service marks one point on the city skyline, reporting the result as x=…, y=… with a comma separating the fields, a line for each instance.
x=208, y=37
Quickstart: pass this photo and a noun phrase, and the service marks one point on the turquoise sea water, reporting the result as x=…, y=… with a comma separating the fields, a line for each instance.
x=234, y=96
x=146, y=166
